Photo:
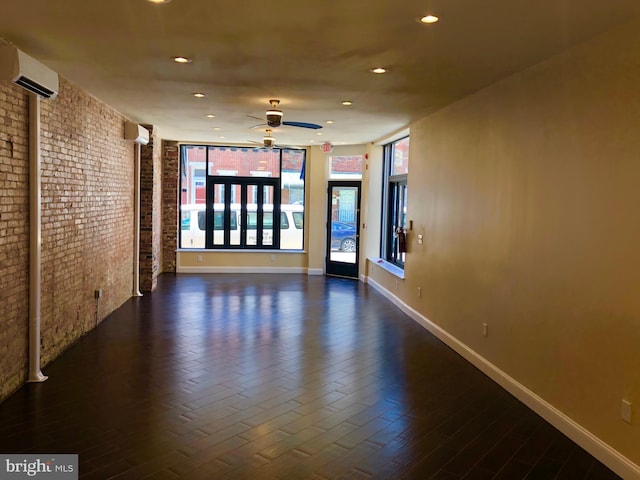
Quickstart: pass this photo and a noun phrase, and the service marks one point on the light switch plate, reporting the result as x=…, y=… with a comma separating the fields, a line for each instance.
x=626, y=411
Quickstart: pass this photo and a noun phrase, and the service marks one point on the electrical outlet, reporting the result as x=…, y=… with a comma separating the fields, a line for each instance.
x=199, y=258
x=485, y=329
x=626, y=411
x=419, y=291
x=397, y=284
x=273, y=258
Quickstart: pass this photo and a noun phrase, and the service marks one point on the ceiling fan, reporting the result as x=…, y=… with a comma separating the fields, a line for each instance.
x=274, y=118
x=268, y=140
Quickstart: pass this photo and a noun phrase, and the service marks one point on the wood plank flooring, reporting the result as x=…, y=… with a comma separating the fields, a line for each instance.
x=278, y=377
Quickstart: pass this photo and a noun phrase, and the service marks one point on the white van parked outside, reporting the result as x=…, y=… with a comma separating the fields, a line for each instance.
x=193, y=220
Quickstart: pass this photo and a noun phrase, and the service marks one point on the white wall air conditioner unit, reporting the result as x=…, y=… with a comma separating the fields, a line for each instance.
x=135, y=132
x=27, y=72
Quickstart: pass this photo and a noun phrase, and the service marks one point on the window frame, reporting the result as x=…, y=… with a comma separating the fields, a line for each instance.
x=258, y=220
x=394, y=205
x=263, y=219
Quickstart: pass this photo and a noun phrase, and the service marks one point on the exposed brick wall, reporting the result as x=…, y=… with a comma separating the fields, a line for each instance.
x=150, y=211
x=14, y=239
x=170, y=187
x=87, y=197
x=87, y=222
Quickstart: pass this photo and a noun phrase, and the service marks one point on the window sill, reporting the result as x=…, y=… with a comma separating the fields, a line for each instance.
x=388, y=266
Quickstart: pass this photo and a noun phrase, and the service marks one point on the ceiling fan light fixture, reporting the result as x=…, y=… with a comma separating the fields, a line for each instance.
x=268, y=140
x=274, y=118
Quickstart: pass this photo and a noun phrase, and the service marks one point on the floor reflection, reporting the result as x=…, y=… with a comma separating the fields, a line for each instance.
x=283, y=377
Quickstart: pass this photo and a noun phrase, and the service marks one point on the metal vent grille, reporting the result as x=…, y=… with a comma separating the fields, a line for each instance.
x=34, y=87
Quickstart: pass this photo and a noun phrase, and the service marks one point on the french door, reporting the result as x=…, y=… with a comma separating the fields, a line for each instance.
x=242, y=213
x=343, y=229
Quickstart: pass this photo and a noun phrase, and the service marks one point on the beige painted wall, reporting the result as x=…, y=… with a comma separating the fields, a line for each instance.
x=527, y=194
x=316, y=185
x=371, y=206
x=201, y=259
x=316, y=209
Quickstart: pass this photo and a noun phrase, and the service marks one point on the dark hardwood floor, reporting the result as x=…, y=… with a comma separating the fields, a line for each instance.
x=278, y=377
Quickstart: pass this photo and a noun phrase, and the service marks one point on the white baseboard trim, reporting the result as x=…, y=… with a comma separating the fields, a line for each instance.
x=613, y=459
x=209, y=269
x=315, y=271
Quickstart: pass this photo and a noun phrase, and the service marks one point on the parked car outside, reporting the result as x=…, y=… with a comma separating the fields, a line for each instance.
x=343, y=236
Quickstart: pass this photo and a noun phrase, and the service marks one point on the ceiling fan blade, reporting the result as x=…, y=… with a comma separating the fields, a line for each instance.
x=255, y=118
x=313, y=126
x=260, y=145
x=277, y=145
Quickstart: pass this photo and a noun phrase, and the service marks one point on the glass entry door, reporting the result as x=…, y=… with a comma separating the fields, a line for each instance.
x=343, y=229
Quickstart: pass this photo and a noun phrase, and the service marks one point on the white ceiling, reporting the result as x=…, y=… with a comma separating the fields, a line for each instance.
x=310, y=55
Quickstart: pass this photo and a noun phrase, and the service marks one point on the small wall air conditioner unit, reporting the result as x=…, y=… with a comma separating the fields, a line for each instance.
x=27, y=72
x=135, y=132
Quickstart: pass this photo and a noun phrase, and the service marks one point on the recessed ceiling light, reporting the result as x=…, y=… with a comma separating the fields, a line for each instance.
x=329, y=121
x=319, y=133
x=210, y=115
x=181, y=60
x=428, y=19
x=347, y=103
x=159, y=1
x=199, y=95
x=221, y=136
x=217, y=128
x=378, y=70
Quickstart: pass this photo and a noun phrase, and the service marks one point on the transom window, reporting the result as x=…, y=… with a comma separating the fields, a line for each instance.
x=345, y=167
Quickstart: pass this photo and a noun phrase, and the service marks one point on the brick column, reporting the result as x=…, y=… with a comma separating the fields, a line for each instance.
x=150, y=211
x=170, y=215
